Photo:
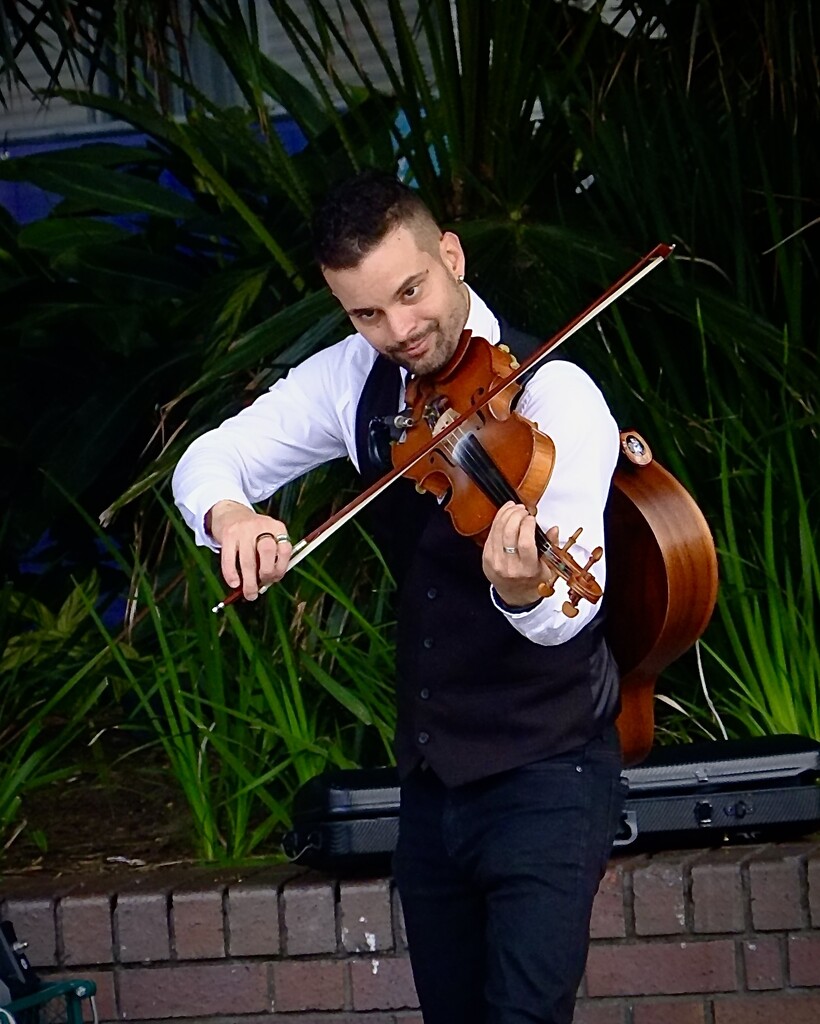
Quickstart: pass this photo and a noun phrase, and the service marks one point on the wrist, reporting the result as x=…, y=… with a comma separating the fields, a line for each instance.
x=515, y=607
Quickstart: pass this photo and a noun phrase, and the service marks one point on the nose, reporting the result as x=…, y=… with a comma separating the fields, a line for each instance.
x=402, y=323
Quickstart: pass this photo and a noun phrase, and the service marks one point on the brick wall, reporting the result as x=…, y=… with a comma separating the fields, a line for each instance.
x=727, y=936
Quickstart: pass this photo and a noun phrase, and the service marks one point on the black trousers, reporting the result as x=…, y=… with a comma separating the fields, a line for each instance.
x=497, y=879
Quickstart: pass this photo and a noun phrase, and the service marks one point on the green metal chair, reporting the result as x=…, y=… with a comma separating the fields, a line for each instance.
x=57, y=1002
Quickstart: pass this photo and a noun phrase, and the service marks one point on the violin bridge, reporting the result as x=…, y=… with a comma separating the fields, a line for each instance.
x=444, y=420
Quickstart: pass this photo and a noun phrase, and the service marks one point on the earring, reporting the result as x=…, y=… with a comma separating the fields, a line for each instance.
x=460, y=279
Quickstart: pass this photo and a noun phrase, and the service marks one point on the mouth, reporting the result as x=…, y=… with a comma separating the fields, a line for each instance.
x=416, y=348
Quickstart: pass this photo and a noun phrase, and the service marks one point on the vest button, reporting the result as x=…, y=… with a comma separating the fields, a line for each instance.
x=432, y=593
x=428, y=642
x=423, y=737
x=424, y=693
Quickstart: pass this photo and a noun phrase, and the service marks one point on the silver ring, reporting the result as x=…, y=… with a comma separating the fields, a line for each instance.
x=511, y=551
x=281, y=538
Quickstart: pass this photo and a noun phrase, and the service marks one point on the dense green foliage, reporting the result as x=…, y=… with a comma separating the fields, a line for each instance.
x=559, y=148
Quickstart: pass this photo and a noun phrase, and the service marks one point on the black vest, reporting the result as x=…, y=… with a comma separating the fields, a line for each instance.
x=475, y=697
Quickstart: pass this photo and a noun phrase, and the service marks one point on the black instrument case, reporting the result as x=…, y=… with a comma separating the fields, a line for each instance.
x=700, y=794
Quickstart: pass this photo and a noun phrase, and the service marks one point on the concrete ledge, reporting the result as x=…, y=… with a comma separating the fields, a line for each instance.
x=725, y=936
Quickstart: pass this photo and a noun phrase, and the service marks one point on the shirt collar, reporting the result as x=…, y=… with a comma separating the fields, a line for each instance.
x=481, y=320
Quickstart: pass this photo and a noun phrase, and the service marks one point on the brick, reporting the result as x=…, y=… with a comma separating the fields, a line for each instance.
x=380, y=983
x=321, y=1018
x=309, y=985
x=804, y=960
x=717, y=892
x=775, y=885
x=767, y=1009
x=199, y=929
x=608, y=921
x=814, y=887
x=33, y=920
x=105, y=997
x=310, y=918
x=661, y=968
x=669, y=1011
x=366, y=922
x=142, y=913
x=141, y=927
x=85, y=927
x=659, y=897
x=763, y=961
x=193, y=990
x=400, y=928
x=253, y=920
x=598, y=1013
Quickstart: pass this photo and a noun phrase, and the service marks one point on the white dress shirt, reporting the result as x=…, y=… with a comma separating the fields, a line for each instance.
x=308, y=418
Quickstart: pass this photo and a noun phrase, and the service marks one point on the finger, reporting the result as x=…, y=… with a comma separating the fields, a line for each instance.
x=265, y=558
x=511, y=530
x=248, y=559
x=274, y=550
x=500, y=524
x=228, y=564
x=282, y=557
x=497, y=525
x=527, y=546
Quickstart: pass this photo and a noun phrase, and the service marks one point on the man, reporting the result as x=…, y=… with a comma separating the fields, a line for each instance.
x=505, y=745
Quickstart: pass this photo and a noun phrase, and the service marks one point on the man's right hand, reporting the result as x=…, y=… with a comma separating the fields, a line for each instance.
x=251, y=556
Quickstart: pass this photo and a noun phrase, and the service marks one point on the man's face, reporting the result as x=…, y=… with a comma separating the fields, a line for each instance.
x=405, y=299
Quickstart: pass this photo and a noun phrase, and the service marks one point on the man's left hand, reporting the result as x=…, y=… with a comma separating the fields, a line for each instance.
x=511, y=560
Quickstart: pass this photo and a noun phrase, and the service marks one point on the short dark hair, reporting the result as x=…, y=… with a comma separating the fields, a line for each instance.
x=357, y=214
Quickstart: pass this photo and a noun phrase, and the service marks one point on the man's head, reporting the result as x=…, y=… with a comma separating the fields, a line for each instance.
x=393, y=270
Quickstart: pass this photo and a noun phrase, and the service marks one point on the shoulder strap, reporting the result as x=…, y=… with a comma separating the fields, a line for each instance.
x=379, y=399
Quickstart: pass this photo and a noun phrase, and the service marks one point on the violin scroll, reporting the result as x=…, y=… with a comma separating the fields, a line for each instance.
x=582, y=584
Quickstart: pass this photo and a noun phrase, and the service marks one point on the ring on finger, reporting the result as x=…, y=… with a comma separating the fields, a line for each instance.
x=510, y=550
x=281, y=538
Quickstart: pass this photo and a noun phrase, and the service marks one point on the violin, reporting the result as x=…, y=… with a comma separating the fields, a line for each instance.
x=495, y=456
x=582, y=583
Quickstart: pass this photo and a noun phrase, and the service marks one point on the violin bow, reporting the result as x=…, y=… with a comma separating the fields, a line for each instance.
x=307, y=545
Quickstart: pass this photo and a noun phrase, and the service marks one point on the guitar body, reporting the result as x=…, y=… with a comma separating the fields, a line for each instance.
x=662, y=581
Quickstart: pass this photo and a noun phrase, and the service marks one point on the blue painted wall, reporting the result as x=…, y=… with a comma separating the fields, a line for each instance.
x=27, y=203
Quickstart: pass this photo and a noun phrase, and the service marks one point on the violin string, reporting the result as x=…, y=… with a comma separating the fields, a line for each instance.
x=471, y=456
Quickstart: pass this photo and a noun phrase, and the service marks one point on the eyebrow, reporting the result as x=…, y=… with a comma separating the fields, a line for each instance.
x=408, y=282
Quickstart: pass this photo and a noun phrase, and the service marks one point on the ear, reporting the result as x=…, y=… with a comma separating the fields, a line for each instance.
x=452, y=255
